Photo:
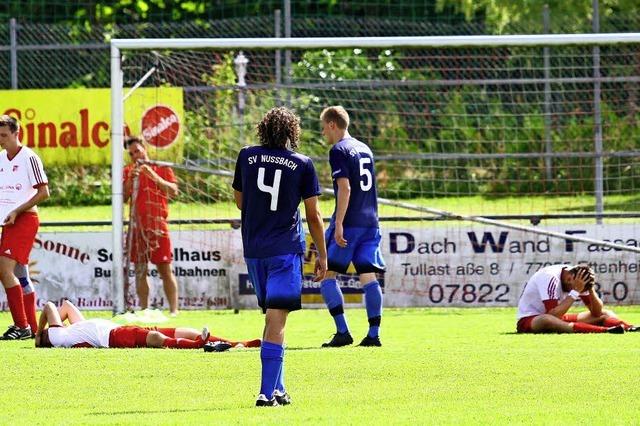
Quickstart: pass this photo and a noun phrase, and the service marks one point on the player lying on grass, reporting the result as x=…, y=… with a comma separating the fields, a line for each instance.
x=550, y=293
x=102, y=333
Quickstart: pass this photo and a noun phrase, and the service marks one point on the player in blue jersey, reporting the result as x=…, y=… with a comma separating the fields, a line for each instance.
x=354, y=234
x=270, y=181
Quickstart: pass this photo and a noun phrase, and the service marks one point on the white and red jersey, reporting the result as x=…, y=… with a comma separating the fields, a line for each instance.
x=92, y=332
x=19, y=178
x=543, y=285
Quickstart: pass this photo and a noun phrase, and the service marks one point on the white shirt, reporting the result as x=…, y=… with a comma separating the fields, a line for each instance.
x=543, y=285
x=95, y=332
x=19, y=178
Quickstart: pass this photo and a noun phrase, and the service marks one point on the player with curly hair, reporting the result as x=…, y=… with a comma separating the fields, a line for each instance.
x=550, y=293
x=270, y=181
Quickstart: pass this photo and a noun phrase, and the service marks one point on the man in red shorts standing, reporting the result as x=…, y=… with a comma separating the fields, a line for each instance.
x=551, y=292
x=23, y=185
x=150, y=237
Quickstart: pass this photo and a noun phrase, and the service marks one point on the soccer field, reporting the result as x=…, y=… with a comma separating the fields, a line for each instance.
x=436, y=366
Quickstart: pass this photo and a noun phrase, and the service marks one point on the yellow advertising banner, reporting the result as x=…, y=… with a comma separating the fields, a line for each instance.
x=72, y=126
x=310, y=256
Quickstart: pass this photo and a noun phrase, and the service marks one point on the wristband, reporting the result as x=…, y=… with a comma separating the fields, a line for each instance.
x=574, y=295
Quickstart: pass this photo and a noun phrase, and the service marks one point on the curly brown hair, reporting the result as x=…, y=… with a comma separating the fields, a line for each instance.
x=278, y=127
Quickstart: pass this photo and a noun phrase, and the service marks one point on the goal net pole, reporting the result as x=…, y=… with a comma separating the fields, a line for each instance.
x=118, y=45
x=117, y=167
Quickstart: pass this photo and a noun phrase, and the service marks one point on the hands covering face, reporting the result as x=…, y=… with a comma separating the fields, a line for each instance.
x=584, y=280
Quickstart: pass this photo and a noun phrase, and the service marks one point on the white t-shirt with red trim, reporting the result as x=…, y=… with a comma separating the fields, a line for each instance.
x=543, y=285
x=19, y=178
x=93, y=332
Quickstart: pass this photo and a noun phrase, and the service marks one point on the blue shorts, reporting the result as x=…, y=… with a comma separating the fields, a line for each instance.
x=277, y=281
x=363, y=249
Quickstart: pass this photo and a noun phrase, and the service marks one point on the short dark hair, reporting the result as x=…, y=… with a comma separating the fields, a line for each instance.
x=584, y=269
x=10, y=122
x=336, y=114
x=279, y=126
x=42, y=339
x=130, y=140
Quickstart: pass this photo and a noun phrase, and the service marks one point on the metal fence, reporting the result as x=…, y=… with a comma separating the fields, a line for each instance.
x=37, y=54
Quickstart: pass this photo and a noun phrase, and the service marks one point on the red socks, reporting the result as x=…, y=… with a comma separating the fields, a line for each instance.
x=581, y=327
x=29, y=301
x=255, y=343
x=16, y=306
x=570, y=317
x=169, y=332
x=612, y=322
x=183, y=343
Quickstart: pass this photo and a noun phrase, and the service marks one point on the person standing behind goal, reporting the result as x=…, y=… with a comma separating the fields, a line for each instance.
x=354, y=234
x=23, y=185
x=150, y=240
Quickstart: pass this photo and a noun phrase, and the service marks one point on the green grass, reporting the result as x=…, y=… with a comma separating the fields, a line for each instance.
x=476, y=205
x=437, y=366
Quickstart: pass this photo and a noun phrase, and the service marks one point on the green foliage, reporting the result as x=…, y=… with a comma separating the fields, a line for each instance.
x=508, y=16
x=79, y=185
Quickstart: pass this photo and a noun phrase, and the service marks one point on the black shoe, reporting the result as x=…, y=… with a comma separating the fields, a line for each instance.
x=262, y=401
x=219, y=346
x=618, y=329
x=282, y=398
x=370, y=341
x=17, y=333
x=338, y=340
x=633, y=329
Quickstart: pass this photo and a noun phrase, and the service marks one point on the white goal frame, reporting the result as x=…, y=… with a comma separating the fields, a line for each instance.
x=117, y=118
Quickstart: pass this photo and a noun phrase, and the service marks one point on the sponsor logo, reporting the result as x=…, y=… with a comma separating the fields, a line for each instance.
x=15, y=168
x=160, y=126
x=18, y=187
x=82, y=131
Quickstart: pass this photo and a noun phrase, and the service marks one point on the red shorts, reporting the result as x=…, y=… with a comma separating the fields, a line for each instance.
x=17, y=239
x=128, y=336
x=151, y=244
x=524, y=324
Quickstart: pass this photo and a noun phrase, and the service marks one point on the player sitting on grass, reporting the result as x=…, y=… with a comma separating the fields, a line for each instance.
x=550, y=293
x=102, y=333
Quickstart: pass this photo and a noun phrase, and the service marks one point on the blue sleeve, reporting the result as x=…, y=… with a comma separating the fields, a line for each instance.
x=237, y=177
x=339, y=163
x=310, y=186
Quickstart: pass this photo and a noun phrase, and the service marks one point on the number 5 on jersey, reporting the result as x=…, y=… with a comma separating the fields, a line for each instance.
x=367, y=182
x=272, y=190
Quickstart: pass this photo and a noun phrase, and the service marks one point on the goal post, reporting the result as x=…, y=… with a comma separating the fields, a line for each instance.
x=448, y=117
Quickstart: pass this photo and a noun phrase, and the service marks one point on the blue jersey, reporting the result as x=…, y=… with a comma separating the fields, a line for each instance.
x=273, y=182
x=352, y=159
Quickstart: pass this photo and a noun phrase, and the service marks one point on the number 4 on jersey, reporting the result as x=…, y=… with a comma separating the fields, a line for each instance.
x=273, y=190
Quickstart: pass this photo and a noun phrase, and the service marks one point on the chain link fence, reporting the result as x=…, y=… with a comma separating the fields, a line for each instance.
x=35, y=53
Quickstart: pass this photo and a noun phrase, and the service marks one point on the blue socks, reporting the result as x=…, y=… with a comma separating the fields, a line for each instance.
x=271, y=355
x=333, y=299
x=373, y=303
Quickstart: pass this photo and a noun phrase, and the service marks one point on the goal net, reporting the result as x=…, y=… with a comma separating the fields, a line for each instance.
x=495, y=155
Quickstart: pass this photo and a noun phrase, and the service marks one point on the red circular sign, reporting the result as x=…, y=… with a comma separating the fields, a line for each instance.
x=160, y=126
